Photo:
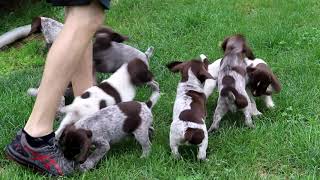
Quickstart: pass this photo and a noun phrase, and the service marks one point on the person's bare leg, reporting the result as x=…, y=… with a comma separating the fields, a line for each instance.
x=82, y=79
x=62, y=60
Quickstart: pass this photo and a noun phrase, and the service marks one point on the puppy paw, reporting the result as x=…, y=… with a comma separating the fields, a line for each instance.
x=86, y=166
x=270, y=105
x=256, y=113
x=202, y=158
x=213, y=129
x=269, y=102
x=144, y=155
x=176, y=156
x=151, y=133
x=250, y=125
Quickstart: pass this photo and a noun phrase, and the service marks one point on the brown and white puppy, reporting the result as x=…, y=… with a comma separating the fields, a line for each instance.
x=104, y=128
x=119, y=87
x=189, y=111
x=261, y=81
x=109, y=53
x=232, y=81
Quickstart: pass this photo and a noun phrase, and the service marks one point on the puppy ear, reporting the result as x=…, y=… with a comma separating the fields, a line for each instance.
x=65, y=132
x=248, y=52
x=275, y=83
x=61, y=138
x=175, y=66
x=85, y=145
x=224, y=44
x=142, y=77
x=35, y=25
x=204, y=77
x=102, y=41
x=116, y=37
x=206, y=63
x=139, y=72
x=250, y=70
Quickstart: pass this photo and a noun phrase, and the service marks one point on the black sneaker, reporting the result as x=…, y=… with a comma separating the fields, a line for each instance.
x=45, y=159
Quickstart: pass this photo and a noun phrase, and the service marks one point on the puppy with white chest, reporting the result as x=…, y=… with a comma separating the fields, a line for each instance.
x=106, y=127
x=232, y=81
x=189, y=112
x=119, y=87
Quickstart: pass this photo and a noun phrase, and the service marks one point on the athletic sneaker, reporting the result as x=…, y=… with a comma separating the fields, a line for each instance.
x=46, y=159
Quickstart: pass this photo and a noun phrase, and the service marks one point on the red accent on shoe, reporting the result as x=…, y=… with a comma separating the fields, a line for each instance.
x=45, y=160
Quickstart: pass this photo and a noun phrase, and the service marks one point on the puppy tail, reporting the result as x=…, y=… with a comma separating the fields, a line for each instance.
x=240, y=100
x=33, y=92
x=15, y=34
x=275, y=83
x=149, y=52
x=203, y=57
x=154, y=85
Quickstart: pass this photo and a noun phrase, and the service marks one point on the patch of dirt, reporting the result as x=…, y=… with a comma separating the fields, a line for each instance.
x=21, y=42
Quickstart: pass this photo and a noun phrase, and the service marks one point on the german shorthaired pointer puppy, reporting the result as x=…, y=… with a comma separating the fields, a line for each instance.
x=232, y=81
x=105, y=127
x=119, y=87
x=189, y=111
x=109, y=53
x=261, y=82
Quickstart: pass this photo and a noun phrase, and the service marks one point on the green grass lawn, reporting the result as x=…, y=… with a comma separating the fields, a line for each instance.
x=285, y=143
